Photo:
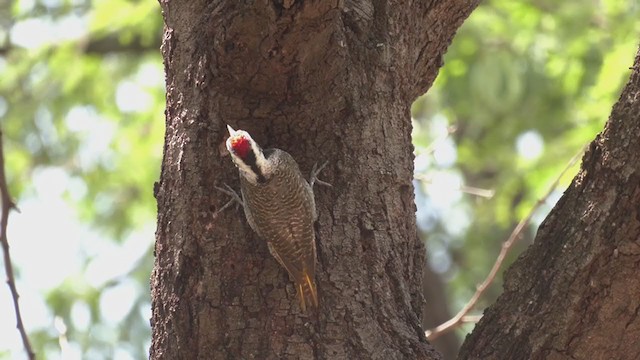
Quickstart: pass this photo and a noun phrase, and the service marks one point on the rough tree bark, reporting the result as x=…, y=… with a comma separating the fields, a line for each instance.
x=575, y=293
x=323, y=80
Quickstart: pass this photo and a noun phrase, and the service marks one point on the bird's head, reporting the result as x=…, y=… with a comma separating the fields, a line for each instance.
x=247, y=155
x=239, y=143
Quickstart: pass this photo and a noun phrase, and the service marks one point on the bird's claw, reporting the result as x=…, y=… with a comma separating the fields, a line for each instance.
x=313, y=179
x=235, y=198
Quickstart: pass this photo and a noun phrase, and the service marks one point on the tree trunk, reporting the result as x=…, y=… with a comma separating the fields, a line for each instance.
x=324, y=81
x=575, y=293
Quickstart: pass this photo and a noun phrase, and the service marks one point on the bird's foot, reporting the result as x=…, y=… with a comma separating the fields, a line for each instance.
x=314, y=175
x=235, y=198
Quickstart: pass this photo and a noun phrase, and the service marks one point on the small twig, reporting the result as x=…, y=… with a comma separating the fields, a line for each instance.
x=61, y=327
x=431, y=148
x=470, y=319
x=458, y=319
x=485, y=193
x=462, y=188
x=8, y=205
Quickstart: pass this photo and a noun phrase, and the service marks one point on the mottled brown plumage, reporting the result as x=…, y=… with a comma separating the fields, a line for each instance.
x=279, y=206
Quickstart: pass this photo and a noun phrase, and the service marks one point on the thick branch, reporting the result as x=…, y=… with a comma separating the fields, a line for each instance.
x=575, y=292
x=314, y=78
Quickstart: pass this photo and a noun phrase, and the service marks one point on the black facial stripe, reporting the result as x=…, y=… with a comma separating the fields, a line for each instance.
x=251, y=161
x=261, y=178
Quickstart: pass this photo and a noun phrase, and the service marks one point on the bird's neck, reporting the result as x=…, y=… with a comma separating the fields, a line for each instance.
x=254, y=167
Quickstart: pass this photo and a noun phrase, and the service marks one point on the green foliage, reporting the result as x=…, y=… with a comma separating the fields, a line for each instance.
x=84, y=94
x=550, y=70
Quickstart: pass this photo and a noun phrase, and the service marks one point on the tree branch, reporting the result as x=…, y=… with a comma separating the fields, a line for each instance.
x=462, y=317
x=112, y=44
x=8, y=205
x=103, y=45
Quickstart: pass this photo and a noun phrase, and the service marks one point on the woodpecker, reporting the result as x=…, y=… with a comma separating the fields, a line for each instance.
x=279, y=205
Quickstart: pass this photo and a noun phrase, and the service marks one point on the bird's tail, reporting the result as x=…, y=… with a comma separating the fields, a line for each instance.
x=307, y=292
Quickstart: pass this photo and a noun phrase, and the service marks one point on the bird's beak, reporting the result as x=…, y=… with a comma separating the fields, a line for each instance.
x=231, y=131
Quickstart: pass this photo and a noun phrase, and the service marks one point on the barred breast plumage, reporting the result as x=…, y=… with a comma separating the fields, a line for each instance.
x=282, y=212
